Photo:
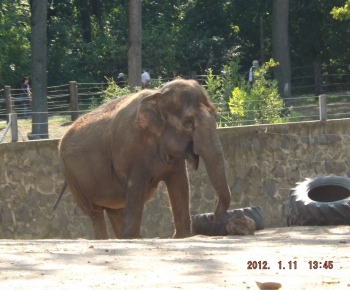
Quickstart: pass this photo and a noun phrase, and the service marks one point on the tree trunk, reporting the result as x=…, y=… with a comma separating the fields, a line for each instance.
x=39, y=67
x=262, y=41
x=84, y=10
x=280, y=46
x=97, y=11
x=135, y=44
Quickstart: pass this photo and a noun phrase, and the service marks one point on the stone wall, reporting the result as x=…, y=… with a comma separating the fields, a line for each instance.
x=262, y=164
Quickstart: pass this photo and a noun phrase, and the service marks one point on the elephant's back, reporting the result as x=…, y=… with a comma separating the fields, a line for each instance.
x=96, y=130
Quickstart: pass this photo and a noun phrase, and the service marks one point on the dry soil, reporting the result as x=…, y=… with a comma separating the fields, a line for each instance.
x=295, y=257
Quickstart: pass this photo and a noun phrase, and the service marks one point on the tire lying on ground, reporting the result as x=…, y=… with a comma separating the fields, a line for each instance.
x=202, y=226
x=319, y=201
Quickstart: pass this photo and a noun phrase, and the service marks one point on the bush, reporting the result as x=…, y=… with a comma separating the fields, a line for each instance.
x=262, y=102
x=240, y=104
x=113, y=91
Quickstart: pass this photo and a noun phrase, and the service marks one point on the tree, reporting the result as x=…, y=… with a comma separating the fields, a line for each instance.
x=135, y=44
x=71, y=58
x=84, y=11
x=206, y=34
x=325, y=46
x=280, y=45
x=14, y=42
x=39, y=66
x=178, y=36
x=342, y=13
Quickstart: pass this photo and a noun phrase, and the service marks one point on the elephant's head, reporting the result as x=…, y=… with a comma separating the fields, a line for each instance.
x=182, y=118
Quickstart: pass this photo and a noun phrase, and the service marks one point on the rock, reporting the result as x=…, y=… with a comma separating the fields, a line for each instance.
x=268, y=285
x=239, y=224
x=32, y=136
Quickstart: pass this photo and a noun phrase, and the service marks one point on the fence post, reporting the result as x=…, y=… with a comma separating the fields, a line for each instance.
x=318, y=78
x=193, y=75
x=323, y=107
x=8, y=102
x=73, y=92
x=14, y=127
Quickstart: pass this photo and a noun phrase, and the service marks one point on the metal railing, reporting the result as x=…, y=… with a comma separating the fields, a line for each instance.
x=66, y=102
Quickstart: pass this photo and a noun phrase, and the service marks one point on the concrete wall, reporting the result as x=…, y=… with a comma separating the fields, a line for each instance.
x=263, y=163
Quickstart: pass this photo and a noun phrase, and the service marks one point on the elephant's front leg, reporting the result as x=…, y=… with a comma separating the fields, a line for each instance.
x=135, y=196
x=116, y=218
x=178, y=189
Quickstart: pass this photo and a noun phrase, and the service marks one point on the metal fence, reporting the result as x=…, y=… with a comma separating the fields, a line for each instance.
x=66, y=102
x=320, y=79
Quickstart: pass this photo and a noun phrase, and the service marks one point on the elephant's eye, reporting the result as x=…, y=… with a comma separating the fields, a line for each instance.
x=188, y=124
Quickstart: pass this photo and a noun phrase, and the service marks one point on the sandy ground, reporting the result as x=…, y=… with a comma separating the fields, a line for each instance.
x=279, y=255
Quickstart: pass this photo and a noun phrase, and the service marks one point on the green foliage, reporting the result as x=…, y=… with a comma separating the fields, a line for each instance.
x=111, y=92
x=236, y=103
x=231, y=78
x=213, y=83
x=263, y=104
x=15, y=58
x=178, y=37
x=156, y=83
x=342, y=13
x=260, y=104
x=328, y=39
x=71, y=58
x=220, y=87
x=114, y=91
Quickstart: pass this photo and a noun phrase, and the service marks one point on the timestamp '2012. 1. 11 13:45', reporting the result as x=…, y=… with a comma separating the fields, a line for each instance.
x=289, y=265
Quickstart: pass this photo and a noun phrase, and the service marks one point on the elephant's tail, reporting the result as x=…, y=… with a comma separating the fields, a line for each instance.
x=60, y=196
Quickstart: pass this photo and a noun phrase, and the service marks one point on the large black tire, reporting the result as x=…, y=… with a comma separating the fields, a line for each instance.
x=321, y=201
x=202, y=226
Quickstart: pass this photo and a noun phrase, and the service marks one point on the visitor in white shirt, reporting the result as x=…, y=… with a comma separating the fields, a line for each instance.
x=146, y=78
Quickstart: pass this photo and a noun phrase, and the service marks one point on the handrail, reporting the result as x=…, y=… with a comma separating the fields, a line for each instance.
x=5, y=131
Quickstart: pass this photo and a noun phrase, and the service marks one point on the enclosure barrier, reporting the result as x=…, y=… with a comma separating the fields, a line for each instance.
x=12, y=123
x=73, y=99
x=75, y=111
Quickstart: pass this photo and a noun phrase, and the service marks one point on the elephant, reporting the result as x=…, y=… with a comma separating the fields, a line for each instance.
x=114, y=157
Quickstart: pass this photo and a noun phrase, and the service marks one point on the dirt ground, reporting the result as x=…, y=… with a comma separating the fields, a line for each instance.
x=280, y=255
x=295, y=257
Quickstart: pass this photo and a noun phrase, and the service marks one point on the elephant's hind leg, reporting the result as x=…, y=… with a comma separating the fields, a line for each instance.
x=116, y=217
x=99, y=224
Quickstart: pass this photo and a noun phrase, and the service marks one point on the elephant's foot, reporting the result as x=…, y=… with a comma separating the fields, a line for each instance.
x=182, y=234
x=99, y=225
x=98, y=237
x=130, y=236
x=128, y=232
x=100, y=233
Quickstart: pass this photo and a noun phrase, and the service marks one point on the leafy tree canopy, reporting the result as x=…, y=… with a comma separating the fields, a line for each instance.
x=178, y=36
x=342, y=13
x=14, y=41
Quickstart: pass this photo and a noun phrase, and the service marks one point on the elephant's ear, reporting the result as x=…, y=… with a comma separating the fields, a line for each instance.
x=149, y=115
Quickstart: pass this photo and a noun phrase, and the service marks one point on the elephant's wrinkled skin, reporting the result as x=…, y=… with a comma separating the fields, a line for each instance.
x=114, y=157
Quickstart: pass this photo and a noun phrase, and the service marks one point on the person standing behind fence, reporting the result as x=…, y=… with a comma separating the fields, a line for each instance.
x=146, y=78
x=251, y=72
x=26, y=97
x=120, y=80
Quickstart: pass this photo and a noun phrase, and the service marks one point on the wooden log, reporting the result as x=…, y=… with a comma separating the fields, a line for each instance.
x=9, y=104
x=318, y=78
x=201, y=225
x=73, y=92
x=14, y=127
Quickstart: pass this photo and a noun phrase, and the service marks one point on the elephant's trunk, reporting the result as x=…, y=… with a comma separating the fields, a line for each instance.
x=208, y=146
